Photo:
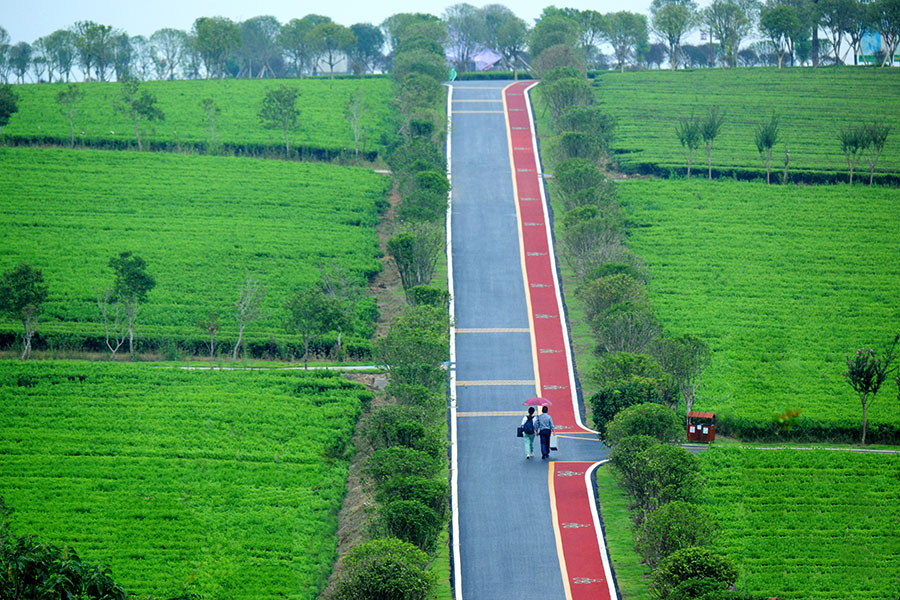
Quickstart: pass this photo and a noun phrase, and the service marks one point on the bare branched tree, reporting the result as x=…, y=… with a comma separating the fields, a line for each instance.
x=115, y=325
x=247, y=309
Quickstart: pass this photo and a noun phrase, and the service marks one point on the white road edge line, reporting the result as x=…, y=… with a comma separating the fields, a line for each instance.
x=570, y=361
x=607, y=572
x=454, y=463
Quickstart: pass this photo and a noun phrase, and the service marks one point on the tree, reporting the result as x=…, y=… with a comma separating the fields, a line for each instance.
x=279, y=111
x=684, y=358
x=465, y=26
x=625, y=31
x=504, y=33
x=356, y=111
x=22, y=295
x=416, y=346
x=884, y=17
x=94, y=45
x=782, y=24
x=836, y=20
x=877, y=133
x=247, y=309
x=122, y=56
x=671, y=527
x=115, y=323
x=730, y=21
x=401, y=28
x=691, y=563
x=131, y=286
x=70, y=99
x=139, y=105
x=671, y=20
x=689, y=134
x=709, y=130
x=765, y=138
x=344, y=290
x=298, y=44
x=212, y=112
x=20, y=59
x=651, y=419
x=259, y=45
x=210, y=325
x=866, y=371
x=385, y=568
x=215, y=38
x=416, y=251
x=142, y=61
x=554, y=29
x=334, y=42
x=854, y=141
x=566, y=93
x=366, y=54
x=170, y=47
x=60, y=48
x=9, y=104
x=311, y=313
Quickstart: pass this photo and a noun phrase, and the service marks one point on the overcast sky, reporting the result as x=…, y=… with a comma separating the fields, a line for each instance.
x=27, y=20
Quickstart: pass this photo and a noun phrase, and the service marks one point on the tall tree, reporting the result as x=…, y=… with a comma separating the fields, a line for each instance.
x=866, y=371
x=297, y=43
x=731, y=21
x=884, y=16
x=212, y=112
x=142, y=59
x=416, y=251
x=94, y=45
x=366, y=54
x=671, y=20
x=170, y=47
x=70, y=99
x=20, y=60
x=139, y=105
x=854, y=141
x=334, y=42
x=356, y=111
x=782, y=24
x=625, y=31
x=210, y=325
x=22, y=295
x=709, y=130
x=403, y=26
x=9, y=104
x=877, y=133
x=506, y=34
x=765, y=138
x=60, y=46
x=312, y=313
x=247, y=309
x=684, y=358
x=465, y=25
x=215, y=38
x=836, y=19
x=131, y=286
x=123, y=55
x=279, y=111
x=554, y=29
x=260, y=48
x=688, y=132
x=4, y=53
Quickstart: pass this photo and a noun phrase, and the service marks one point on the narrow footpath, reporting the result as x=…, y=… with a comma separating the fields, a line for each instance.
x=522, y=528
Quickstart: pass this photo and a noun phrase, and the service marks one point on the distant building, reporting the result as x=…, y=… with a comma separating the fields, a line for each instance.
x=872, y=47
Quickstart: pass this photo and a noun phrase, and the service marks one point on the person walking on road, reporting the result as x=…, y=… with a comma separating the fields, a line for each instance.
x=544, y=428
x=528, y=432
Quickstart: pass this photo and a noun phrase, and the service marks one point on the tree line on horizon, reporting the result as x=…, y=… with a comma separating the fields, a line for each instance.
x=785, y=32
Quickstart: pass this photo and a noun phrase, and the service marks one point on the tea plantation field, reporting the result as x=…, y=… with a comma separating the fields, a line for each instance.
x=782, y=282
x=223, y=483
x=323, y=124
x=811, y=104
x=204, y=224
x=814, y=524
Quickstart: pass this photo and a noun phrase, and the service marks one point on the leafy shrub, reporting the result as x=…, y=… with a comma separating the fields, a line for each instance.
x=591, y=120
x=411, y=521
x=622, y=365
x=563, y=72
x=691, y=563
x=426, y=197
x=419, y=62
x=431, y=296
x=619, y=395
x=671, y=527
x=657, y=421
x=416, y=346
x=433, y=492
x=565, y=93
x=699, y=588
x=390, y=426
x=385, y=569
x=602, y=293
x=413, y=394
x=400, y=461
x=557, y=56
x=575, y=144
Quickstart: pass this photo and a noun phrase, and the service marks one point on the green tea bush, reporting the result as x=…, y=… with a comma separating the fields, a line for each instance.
x=657, y=421
x=691, y=563
x=385, y=569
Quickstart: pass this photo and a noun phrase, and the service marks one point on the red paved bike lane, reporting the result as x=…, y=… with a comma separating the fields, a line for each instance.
x=583, y=561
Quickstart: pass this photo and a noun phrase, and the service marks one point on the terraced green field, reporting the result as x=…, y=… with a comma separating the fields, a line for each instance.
x=204, y=224
x=812, y=105
x=814, y=524
x=781, y=282
x=224, y=483
x=323, y=124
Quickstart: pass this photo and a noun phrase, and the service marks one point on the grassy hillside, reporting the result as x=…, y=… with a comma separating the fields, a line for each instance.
x=222, y=483
x=323, y=124
x=781, y=282
x=204, y=224
x=812, y=105
x=814, y=525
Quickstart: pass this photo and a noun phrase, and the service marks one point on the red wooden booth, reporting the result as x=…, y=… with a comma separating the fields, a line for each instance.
x=701, y=427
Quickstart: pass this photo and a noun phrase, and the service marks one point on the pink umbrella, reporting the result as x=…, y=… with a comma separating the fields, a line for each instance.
x=537, y=402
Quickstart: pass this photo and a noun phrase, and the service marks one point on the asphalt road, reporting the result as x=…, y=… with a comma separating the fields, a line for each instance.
x=507, y=544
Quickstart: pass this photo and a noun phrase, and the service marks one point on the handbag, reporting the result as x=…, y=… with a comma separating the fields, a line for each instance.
x=554, y=442
x=520, y=431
